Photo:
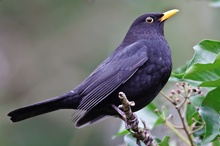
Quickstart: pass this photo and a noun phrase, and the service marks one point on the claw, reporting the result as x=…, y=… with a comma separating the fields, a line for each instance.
x=134, y=121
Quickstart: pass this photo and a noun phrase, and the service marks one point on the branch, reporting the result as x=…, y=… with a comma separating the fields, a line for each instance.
x=131, y=120
x=185, y=127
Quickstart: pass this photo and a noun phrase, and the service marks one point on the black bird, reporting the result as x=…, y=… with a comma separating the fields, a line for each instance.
x=140, y=67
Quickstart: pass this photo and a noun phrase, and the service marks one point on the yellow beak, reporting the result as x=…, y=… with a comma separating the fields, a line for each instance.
x=168, y=14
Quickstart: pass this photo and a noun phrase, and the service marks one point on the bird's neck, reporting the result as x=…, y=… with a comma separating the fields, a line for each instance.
x=133, y=37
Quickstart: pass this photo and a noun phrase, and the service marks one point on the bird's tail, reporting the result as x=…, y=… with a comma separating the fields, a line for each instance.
x=66, y=101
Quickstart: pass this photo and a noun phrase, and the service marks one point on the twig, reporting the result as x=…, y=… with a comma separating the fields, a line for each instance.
x=177, y=132
x=131, y=120
x=184, y=127
x=172, y=126
x=164, y=95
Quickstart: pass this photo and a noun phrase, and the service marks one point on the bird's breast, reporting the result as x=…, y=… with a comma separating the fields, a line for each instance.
x=149, y=79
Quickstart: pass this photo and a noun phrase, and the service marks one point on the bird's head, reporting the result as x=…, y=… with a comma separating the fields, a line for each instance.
x=148, y=26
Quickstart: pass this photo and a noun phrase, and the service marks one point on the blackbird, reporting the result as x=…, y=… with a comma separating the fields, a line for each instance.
x=140, y=67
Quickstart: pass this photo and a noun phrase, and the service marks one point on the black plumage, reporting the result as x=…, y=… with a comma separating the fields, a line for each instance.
x=139, y=67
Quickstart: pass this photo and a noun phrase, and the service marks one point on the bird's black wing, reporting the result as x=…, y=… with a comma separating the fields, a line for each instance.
x=109, y=75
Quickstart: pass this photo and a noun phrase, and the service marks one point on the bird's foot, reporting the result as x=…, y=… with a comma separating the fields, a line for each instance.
x=142, y=135
x=129, y=123
x=132, y=122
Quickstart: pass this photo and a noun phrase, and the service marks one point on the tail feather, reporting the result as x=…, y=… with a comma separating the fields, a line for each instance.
x=90, y=118
x=67, y=101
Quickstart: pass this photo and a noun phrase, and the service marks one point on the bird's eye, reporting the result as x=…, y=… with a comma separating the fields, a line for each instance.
x=149, y=20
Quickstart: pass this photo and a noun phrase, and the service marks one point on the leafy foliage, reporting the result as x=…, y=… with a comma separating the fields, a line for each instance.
x=210, y=112
x=202, y=111
x=164, y=142
x=205, y=69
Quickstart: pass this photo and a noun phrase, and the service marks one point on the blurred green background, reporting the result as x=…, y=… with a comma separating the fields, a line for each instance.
x=47, y=47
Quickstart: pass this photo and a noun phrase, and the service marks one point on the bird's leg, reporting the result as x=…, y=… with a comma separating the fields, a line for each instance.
x=129, y=122
x=131, y=118
x=132, y=122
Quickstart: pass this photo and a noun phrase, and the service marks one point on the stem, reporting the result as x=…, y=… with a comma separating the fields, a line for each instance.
x=164, y=95
x=188, y=141
x=181, y=104
x=177, y=132
x=184, y=127
x=175, y=126
x=196, y=130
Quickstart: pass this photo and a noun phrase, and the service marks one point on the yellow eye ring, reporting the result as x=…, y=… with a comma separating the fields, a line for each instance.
x=149, y=20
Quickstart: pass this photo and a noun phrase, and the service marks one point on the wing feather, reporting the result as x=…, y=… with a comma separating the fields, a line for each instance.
x=109, y=75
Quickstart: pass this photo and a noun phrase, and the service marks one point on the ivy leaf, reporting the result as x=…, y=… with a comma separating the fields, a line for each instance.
x=192, y=111
x=204, y=66
x=205, y=52
x=212, y=99
x=211, y=118
x=165, y=141
x=208, y=74
x=209, y=111
x=215, y=143
x=204, y=69
x=179, y=72
x=121, y=132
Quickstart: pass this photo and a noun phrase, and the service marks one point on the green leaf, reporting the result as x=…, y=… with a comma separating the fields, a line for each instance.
x=121, y=133
x=165, y=141
x=204, y=72
x=211, y=118
x=204, y=68
x=191, y=109
x=179, y=72
x=212, y=99
x=205, y=52
x=191, y=113
x=215, y=83
x=205, y=65
x=209, y=111
x=215, y=143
